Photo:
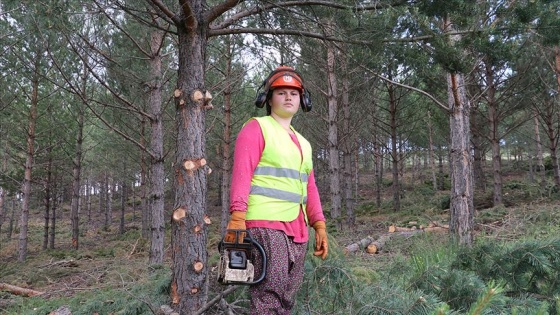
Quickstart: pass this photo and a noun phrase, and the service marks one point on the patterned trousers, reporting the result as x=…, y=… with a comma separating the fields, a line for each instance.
x=284, y=275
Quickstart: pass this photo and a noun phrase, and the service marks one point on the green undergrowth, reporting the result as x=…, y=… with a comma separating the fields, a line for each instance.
x=512, y=268
x=143, y=296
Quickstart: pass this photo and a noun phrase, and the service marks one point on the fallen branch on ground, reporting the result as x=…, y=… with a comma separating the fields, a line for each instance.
x=216, y=299
x=19, y=290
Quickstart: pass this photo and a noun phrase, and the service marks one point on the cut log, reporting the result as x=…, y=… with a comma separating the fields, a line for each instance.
x=363, y=243
x=19, y=290
x=440, y=229
x=393, y=229
x=378, y=244
x=373, y=246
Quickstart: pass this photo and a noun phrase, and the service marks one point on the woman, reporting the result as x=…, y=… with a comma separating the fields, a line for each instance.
x=273, y=192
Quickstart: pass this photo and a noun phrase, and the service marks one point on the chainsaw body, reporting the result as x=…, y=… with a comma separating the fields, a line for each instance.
x=237, y=262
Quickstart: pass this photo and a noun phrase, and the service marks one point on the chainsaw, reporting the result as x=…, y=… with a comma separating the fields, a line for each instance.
x=237, y=262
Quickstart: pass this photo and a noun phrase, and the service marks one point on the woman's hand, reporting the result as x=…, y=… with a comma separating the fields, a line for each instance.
x=321, y=239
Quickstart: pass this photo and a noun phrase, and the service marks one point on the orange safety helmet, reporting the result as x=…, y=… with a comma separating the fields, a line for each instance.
x=285, y=76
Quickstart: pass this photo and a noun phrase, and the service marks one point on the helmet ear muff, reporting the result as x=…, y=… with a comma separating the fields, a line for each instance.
x=306, y=101
x=261, y=97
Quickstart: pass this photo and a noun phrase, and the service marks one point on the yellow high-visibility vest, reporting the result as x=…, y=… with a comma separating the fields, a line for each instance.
x=279, y=184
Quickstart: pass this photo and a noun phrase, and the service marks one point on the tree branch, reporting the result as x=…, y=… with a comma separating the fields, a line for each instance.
x=117, y=25
x=335, y=5
x=216, y=299
x=190, y=23
x=166, y=11
x=440, y=104
x=220, y=9
x=247, y=30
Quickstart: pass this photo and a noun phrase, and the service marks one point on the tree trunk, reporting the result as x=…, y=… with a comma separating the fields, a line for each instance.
x=124, y=187
x=108, y=201
x=462, y=208
x=226, y=144
x=554, y=143
x=478, y=153
x=539, y=151
x=12, y=218
x=493, y=122
x=460, y=159
x=3, y=191
x=189, y=233
x=87, y=195
x=54, y=205
x=441, y=173
x=47, y=198
x=347, y=147
x=144, y=204
x=334, y=163
x=431, y=153
x=157, y=168
x=77, y=171
x=26, y=189
x=553, y=146
x=377, y=156
x=394, y=148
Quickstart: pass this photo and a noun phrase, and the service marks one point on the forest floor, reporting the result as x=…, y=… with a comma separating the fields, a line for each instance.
x=107, y=259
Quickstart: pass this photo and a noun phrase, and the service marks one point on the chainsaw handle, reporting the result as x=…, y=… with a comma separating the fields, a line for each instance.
x=248, y=239
x=264, y=262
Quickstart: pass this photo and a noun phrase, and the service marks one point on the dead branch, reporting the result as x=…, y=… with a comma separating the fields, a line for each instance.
x=61, y=263
x=216, y=299
x=19, y=290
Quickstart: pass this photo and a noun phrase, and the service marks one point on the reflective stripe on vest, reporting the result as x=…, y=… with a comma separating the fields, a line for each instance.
x=281, y=172
x=279, y=183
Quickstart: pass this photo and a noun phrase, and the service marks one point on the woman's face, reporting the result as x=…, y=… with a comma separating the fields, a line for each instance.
x=285, y=102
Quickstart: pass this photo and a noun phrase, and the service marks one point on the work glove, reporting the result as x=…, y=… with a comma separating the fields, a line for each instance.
x=236, y=222
x=321, y=241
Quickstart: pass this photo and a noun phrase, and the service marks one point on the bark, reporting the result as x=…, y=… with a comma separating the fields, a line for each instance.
x=156, y=142
x=124, y=189
x=189, y=231
x=26, y=189
x=77, y=170
x=493, y=122
x=12, y=218
x=334, y=163
x=54, y=205
x=144, y=208
x=478, y=153
x=3, y=191
x=47, y=199
x=554, y=141
x=431, y=158
x=347, y=148
x=363, y=243
x=394, y=147
x=539, y=151
x=553, y=146
x=462, y=208
x=378, y=161
x=460, y=158
x=19, y=290
x=108, y=199
x=226, y=144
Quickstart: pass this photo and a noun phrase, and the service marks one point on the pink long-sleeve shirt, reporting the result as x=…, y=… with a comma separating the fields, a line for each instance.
x=248, y=151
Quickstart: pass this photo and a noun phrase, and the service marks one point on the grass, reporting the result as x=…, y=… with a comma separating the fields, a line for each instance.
x=109, y=274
